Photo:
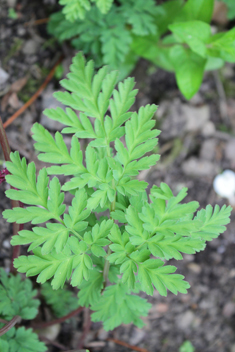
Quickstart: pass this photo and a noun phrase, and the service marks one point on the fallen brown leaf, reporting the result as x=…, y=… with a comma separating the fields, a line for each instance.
x=13, y=101
x=19, y=84
x=10, y=98
x=4, y=101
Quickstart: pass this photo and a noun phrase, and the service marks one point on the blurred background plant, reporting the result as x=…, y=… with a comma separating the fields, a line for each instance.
x=175, y=36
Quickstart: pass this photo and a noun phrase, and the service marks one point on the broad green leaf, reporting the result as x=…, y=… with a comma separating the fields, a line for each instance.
x=196, y=10
x=165, y=14
x=194, y=33
x=213, y=63
x=189, y=69
x=223, y=44
x=148, y=48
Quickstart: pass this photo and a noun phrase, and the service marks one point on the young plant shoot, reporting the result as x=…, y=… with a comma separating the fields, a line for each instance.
x=115, y=240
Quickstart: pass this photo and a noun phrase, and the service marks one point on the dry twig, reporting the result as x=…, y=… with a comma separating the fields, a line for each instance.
x=9, y=325
x=125, y=344
x=43, y=325
x=36, y=22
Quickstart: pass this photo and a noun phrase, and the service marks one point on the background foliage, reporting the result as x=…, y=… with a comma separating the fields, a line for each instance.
x=175, y=36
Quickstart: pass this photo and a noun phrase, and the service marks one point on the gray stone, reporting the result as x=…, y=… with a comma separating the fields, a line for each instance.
x=137, y=336
x=195, y=268
x=232, y=348
x=228, y=70
x=181, y=118
x=51, y=332
x=207, y=151
x=185, y=320
x=6, y=244
x=3, y=77
x=196, y=117
x=230, y=150
x=229, y=309
x=197, y=99
x=49, y=102
x=208, y=129
x=207, y=304
x=173, y=124
x=11, y=3
x=199, y=168
x=30, y=47
x=102, y=334
x=21, y=31
x=7, y=33
x=189, y=257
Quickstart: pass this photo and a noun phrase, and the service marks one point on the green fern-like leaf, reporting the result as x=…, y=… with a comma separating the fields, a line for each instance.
x=116, y=306
x=212, y=222
x=59, y=266
x=86, y=249
x=90, y=290
x=61, y=301
x=140, y=15
x=74, y=9
x=17, y=297
x=21, y=339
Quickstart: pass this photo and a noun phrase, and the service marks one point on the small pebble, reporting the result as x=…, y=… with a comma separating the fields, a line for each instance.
x=229, y=309
x=194, y=268
x=185, y=320
x=137, y=336
x=30, y=47
x=3, y=76
x=6, y=244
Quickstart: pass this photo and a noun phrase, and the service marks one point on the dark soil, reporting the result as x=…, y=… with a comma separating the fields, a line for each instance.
x=191, y=157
